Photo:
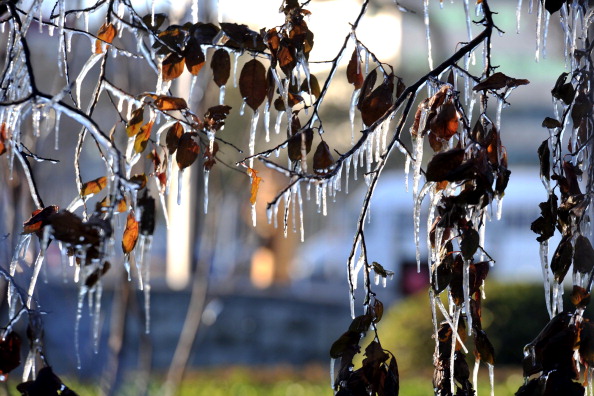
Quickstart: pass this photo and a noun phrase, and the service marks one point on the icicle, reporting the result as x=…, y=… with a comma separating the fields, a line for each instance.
x=491, y=378
x=180, y=176
x=300, y=201
x=332, y=362
x=324, y=198
x=57, y=129
x=36, y=119
x=538, y=30
x=418, y=153
x=79, y=307
x=354, y=99
x=544, y=260
x=252, y=144
x=347, y=162
x=406, y=171
x=466, y=290
x=475, y=371
x=453, y=350
x=267, y=121
x=235, y=61
x=195, y=12
x=518, y=15
x=427, y=32
x=418, y=200
x=97, y=315
x=545, y=33
x=205, y=176
x=222, y=95
x=85, y=70
x=86, y=19
x=153, y=12
x=147, y=284
x=254, y=215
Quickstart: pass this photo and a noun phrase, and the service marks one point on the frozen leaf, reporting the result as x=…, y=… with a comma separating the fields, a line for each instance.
x=378, y=310
x=39, y=219
x=69, y=228
x=270, y=85
x=313, y=84
x=583, y=257
x=140, y=180
x=348, y=341
x=544, y=155
x=121, y=205
x=581, y=109
x=287, y=59
x=173, y=135
x=445, y=124
x=295, y=143
x=147, y=216
x=130, y=234
x=551, y=123
x=10, y=352
x=172, y=67
x=93, y=186
x=135, y=122
x=46, y=384
x=166, y=103
x=483, y=348
x=367, y=87
x=209, y=157
x=106, y=34
x=221, y=66
x=586, y=347
x=3, y=137
x=562, y=90
x=252, y=83
x=381, y=271
x=545, y=224
x=159, y=19
x=194, y=57
x=240, y=36
x=215, y=116
x=376, y=104
x=253, y=174
x=470, y=243
x=553, y=6
x=562, y=259
x=499, y=80
x=171, y=39
x=141, y=139
x=580, y=297
x=355, y=71
x=443, y=163
x=187, y=150
x=361, y=323
x=204, y=33
x=322, y=160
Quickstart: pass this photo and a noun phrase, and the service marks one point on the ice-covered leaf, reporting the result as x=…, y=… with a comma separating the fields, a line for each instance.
x=579, y=297
x=499, y=80
x=147, y=216
x=252, y=83
x=545, y=224
x=141, y=139
x=586, y=347
x=381, y=271
x=445, y=124
x=348, y=341
x=378, y=102
x=135, y=122
x=39, y=219
x=106, y=34
x=551, y=123
x=45, y=384
x=322, y=161
x=140, y=180
x=470, y=243
x=209, y=157
x=443, y=163
x=194, y=57
x=253, y=174
x=483, y=348
x=172, y=67
x=581, y=109
x=166, y=103
x=130, y=233
x=158, y=18
x=94, y=277
x=120, y=206
x=313, y=88
x=287, y=58
x=204, y=33
x=583, y=256
x=298, y=141
x=241, y=36
x=10, y=352
x=378, y=310
x=544, y=155
x=171, y=39
x=3, y=137
x=93, y=186
x=562, y=90
x=354, y=70
x=221, y=66
x=173, y=135
x=562, y=259
x=367, y=87
x=69, y=228
x=361, y=323
x=187, y=150
x=215, y=116
x=553, y=6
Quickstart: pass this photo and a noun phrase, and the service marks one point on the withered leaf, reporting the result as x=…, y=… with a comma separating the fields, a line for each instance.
x=166, y=103
x=221, y=66
x=204, y=33
x=159, y=19
x=581, y=109
x=140, y=180
x=443, y=163
x=69, y=228
x=252, y=83
x=445, y=124
x=130, y=233
x=3, y=137
x=194, y=57
x=580, y=296
x=545, y=224
x=551, y=123
x=375, y=105
x=322, y=160
x=583, y=257
x=173, y=135
x=187, y=150
x=10, y=352
x=367, y=87
x=270, y=85
x=39, y=219
x=562, y=90
x=241, y=35
x=300, y=140
x=499, y=80
x=141, y=140
x=483, y=348
x=544, y=155
x=147, y=216
x=378, y=310
x=287, y=59
x=253, y=174
x=46, y=384
x=215, y=116
x=135, y=122
x=172, y=66
x=553, y=6
x=381, y=271
x=170, y=39
x=470, y=243
x=120, y=206
x=93, y=186
x=361, y=323
x=354, y=70
x=349, y=340
x=106, y=34
x=562, y=259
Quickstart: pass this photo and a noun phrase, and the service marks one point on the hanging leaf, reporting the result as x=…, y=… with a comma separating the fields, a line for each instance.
x=166, y=103
x=583, y=257
x=253, y=174
x=355, y=71
x=194, y=57
x=551, y=123
x=313, y=88
x=545, y=224
x=106, y=34
x=287, y=58
x=367, y=87
x=299, y=141
x=204, y=33
x=135, y=122
x=252, y=83
x=209, y=157
x=147, y=216
x=120, y=206
x=483, y=348
x=270, y=85
x=322, y=161
x=470, y=243
x=544, y=155
x=172, y=66
x=10, y=352
x=93, y=186
x=141, y=140
x=173, y=135
x=214, y=118
x=579, y=297
x=130, y=233
x=159, y=19
x=562, y=90
x=497, y=81
x=3, y=137
x=45, y=384
x=172, y=38
x=443, y=163
x=378, y=102
x=552, y=6
x=221, y=66
x=187, y=150
x=349, y=340
x=39, y=219
x=562, y=259
x=445, y=124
